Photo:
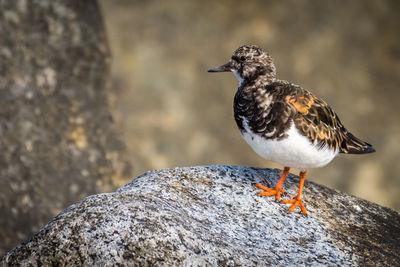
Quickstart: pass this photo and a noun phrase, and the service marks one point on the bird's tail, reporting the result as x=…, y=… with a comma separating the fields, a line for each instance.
x=353, y=145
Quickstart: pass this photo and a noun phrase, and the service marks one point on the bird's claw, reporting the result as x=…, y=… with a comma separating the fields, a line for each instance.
x=295, y=203
x=277, y=192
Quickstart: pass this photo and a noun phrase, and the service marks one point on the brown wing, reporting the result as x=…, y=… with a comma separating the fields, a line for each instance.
x=318, y=122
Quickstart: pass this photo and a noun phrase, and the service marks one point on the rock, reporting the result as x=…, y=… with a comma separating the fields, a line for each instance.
x=212, y=216
x=57, y=139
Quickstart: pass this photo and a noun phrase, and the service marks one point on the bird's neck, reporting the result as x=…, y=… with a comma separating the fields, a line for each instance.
x=263, y=80
x=260, y=81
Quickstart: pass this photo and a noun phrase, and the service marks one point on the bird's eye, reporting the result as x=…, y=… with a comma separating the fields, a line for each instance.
x=242, y=58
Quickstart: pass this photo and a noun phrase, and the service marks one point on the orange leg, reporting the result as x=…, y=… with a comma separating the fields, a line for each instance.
x=277, y=191
x=298, y=201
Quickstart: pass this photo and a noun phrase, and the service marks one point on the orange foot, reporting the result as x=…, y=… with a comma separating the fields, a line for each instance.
x=295, y=203
x=270, y=191
x=277, y=191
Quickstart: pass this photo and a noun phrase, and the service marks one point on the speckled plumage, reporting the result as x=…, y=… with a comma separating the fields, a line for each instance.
x=270, y=105
x=282, y=121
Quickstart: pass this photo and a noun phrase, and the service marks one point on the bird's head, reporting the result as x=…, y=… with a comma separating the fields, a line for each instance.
x=248, y=63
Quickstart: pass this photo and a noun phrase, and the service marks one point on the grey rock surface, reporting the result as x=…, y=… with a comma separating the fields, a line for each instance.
x=57, y=141
x=212, y=216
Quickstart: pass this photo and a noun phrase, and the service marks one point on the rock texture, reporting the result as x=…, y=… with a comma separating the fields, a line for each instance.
x=57, y=142
x=211, y=216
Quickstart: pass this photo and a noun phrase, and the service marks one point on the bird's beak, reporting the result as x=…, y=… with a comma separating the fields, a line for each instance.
x=226, y=67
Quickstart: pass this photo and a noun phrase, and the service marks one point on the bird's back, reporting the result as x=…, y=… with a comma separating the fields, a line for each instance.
x=270, y=110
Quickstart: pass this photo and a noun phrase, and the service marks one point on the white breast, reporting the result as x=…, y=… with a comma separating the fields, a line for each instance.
x=295, y=151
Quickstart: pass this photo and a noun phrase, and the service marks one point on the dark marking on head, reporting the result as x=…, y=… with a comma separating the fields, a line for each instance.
x=253, y=63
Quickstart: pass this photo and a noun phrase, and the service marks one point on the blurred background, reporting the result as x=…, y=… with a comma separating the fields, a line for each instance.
x=171, y=112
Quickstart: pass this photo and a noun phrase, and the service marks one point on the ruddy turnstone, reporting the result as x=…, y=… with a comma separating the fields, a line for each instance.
x=285, y=123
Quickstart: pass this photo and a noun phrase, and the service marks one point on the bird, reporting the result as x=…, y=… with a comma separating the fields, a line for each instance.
x=285, y=123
